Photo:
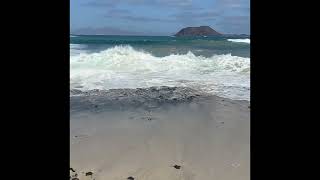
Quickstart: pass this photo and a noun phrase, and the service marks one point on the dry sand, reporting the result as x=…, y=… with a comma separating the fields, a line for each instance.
x=209, y=139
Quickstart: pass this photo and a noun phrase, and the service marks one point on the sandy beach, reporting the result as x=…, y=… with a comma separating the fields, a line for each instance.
x=158, y=134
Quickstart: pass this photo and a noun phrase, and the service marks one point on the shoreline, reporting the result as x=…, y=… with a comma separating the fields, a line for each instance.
x=151, y=97
x=148, y=133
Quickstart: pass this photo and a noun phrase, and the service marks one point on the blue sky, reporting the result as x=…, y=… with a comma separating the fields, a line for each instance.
x=158, y=17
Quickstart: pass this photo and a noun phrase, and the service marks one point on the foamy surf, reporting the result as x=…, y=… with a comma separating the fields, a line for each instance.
x=240, y=40
x=125, y=67
x=76, y=49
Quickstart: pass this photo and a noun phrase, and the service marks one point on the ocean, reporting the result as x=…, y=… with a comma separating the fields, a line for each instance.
x=215, y=65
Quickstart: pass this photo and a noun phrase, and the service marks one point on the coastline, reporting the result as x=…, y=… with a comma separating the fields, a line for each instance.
x=143, y=133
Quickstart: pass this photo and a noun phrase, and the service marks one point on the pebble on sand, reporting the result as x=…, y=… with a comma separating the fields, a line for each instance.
x=89, y=173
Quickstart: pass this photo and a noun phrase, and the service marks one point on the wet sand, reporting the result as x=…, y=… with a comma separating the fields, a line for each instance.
x=206, y=137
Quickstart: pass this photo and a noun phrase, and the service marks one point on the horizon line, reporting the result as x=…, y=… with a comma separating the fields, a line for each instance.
x=144, y=34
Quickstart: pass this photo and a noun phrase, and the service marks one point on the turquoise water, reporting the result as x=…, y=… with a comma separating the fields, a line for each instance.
x=165, y=45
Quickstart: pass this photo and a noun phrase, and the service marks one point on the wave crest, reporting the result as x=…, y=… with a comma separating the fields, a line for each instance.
x=240, y=40
x=126, y=67
x=125, y=58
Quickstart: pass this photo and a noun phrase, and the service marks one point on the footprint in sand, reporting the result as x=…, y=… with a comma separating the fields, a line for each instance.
x=235, y=165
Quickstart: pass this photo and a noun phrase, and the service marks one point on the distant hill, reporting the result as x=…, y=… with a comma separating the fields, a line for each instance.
x=197, y=31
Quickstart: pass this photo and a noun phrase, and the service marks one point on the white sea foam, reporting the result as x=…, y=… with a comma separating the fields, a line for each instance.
x=76, y=49
x=240, y=40
x=77, y=46
x=125, y=67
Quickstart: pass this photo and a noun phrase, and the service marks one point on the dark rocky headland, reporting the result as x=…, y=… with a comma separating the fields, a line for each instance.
x=198, y=31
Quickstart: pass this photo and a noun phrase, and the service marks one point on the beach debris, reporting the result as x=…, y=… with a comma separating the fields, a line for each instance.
x=130, y=178
x=149, y=118
x=89, y=173
x=177, y=166
x=73, y=174
x=81, y=136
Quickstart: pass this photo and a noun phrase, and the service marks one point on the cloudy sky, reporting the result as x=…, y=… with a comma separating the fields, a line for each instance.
x=158, y=17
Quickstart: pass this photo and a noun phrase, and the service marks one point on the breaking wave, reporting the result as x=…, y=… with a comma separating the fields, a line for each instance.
x=240, y=40
x=126, y=67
